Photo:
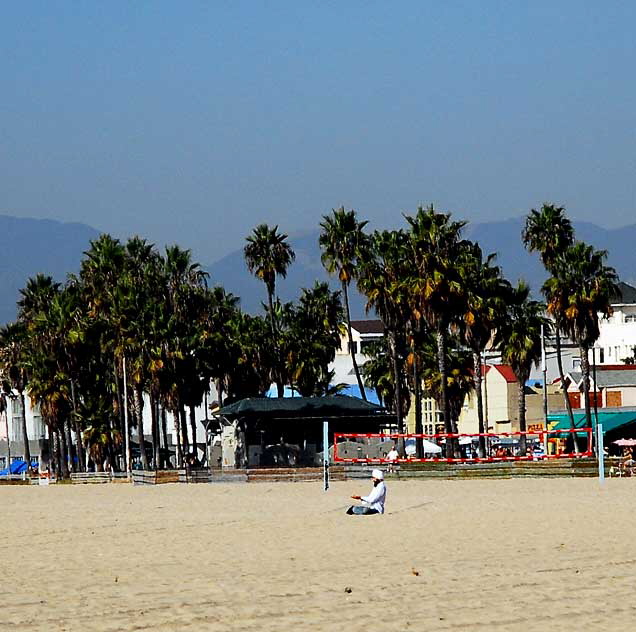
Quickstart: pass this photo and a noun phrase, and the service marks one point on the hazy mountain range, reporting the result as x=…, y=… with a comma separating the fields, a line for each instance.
x=502, y=238
x=33, y=246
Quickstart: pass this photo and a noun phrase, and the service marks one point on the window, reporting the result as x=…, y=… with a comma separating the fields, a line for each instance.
x=38, y=427
x=601, y=355
x=3, y=462
x=630, y=318
x=15, y=428
x=353, y=345
x=365, y=344
x=576, y=363
x=16, y=407
x=16, y=419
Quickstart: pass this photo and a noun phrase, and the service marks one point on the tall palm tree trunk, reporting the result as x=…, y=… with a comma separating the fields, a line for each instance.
x=164, y=433
x=184, y=429
x=5, y=414
x=81, y=454
x=193, y=427
x=63, y=453
x=69, y=446
x=522, y=415
x=280, y=387
x=25, y=435
x=56, y=460
x=356, y=370
x=417, y=396
x=564, y=388
x=154, y=435
x=81, y=451
x=139, y=405
x=585, y=369
x=397, y=388
x=480, y=402
x=219, y=393
x=120, y=397
x=177, y=427
x=441, y=366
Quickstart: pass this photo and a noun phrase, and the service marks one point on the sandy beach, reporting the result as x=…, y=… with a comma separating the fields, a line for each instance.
x=491, y=555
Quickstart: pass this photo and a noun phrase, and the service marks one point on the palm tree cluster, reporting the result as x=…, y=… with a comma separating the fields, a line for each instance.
x=441, y=302
x=578, y=291
x=137, y=328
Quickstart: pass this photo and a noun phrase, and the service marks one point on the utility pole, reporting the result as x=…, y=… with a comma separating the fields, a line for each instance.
x=126, y=429
x=6, y=425
x=544, y=369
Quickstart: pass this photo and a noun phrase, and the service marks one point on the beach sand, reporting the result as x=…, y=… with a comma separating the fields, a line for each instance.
x=534, y=554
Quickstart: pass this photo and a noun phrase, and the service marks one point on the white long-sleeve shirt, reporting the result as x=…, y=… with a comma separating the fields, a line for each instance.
x=377, y=497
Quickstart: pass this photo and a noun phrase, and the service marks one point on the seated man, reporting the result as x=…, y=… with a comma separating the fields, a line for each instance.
x=374, y=502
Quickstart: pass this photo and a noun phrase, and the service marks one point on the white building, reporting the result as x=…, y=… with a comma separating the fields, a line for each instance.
x=11, y=429
x=618, y=333
x=364, y=333
x=39, y=437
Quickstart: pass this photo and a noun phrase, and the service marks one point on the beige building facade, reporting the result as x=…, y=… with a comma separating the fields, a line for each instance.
x=500, y=394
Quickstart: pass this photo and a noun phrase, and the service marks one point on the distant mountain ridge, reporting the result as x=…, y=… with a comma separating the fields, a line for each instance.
x=55, y=248
x=500, y=237
x=33, y=246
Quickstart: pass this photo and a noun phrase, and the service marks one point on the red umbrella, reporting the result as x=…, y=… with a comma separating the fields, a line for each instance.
x=626, y=442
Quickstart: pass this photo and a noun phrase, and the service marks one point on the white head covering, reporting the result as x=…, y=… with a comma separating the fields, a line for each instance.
x=377, y=474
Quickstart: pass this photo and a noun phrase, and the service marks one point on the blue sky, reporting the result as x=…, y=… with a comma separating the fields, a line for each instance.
x=191, y=122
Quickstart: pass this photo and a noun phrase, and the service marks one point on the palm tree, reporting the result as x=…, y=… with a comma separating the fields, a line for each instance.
x=578, y=296
x=313, y=335
x=40, y=309
x=383, y=268
x=185, y=309
x=549, y=232
x=343, y=240
x=268, y=254
x=436, y=283
x=487, y=297
x=140, y=280
x=378, y=372
x=519, y=339
x=13, y=364
x=459, y=379
x=100, y=276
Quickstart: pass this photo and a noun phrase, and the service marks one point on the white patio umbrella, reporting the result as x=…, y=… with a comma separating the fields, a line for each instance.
x=428, y=446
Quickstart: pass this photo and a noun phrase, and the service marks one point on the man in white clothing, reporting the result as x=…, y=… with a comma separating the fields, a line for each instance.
x=374, y=502
x=392, y=458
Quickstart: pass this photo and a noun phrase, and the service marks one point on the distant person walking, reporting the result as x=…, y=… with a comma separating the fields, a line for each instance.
x=374, y=502
x=392, y=458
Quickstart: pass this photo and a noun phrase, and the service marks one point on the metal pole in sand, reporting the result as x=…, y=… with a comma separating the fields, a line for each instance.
x=544, y=370
x=600, y=453
x=126, y=430
x=325, y=454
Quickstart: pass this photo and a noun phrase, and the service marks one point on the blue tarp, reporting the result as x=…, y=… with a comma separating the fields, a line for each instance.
x=352, y=390
x=17, y=467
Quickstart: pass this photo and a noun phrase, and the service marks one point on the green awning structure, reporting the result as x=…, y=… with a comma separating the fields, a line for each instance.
x=610, y=420
x=302, y=407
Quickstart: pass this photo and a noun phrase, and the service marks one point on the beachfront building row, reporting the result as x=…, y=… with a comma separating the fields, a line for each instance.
x=615, y=384
x=11, y=434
